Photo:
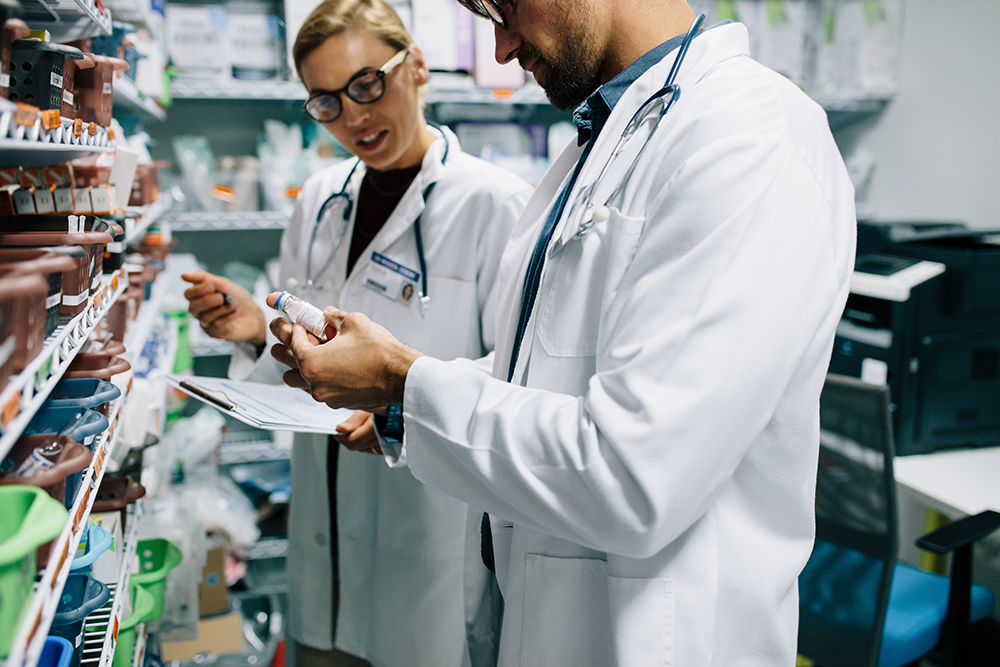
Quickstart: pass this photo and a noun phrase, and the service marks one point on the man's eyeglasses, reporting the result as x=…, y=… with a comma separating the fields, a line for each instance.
x=363, y=88
x=495, y=12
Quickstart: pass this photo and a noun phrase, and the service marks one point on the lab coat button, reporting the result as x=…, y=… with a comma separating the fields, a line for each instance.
x=320, y=539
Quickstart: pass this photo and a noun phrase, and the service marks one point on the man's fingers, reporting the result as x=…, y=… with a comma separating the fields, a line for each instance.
x=293, y=379
x=284, y=355
x=358, y=418
x=282, y=329
x=300, y=341
x=195, y=276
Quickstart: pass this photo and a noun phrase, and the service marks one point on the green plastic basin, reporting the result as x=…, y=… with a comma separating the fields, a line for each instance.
x=142, y=606
x=157, y=557
x=29, y=519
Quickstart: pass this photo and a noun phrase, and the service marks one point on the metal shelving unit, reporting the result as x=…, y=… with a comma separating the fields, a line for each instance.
x=129, y=97
x=26, y=142
x=139, y=218
x=195, y=221
x=26, y=391
x=67, y=20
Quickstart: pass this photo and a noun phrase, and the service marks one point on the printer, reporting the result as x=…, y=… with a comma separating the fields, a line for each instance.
x=923, y=316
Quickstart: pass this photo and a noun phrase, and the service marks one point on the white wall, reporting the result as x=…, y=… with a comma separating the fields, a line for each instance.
x=937, y=143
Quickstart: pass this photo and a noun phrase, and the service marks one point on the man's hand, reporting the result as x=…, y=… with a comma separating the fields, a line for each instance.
x=362, y=366
x=358, y=433
x=241, y=321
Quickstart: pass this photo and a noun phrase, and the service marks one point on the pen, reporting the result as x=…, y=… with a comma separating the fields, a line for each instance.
x=205, y=395
x=227, y=299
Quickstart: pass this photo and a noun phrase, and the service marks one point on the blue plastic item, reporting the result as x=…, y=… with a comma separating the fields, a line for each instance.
x=50, y=419
x=57, y=652
x=81, y=595
x=82, y=393
x=98, y=541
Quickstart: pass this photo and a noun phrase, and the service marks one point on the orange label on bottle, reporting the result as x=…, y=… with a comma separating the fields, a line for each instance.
x=92, y=128
x=78, y=126
x=51, y=119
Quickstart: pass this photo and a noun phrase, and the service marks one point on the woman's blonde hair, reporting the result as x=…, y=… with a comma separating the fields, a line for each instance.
x=332, y=17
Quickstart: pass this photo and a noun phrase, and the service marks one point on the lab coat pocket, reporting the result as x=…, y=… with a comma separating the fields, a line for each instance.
x=566, y=619
x=583, y=274
x=643, y=613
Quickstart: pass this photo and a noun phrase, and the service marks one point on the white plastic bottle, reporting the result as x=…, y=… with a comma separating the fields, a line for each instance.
x=40, y=459
x=302, y=312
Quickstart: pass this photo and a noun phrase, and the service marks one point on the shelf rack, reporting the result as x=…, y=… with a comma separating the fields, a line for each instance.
x=27, y=143
x=129, y=97
x=26, y=391
x=139, y=218
x=67, y=20
x=34, y=625
x=194, y=221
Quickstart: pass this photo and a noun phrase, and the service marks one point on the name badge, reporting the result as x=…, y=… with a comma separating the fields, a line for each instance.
x=391, y=279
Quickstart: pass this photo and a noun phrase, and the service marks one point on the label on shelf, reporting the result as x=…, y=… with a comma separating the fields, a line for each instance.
x=77, y=126
x=25, y=115
x=10, y=410
x=51, y=118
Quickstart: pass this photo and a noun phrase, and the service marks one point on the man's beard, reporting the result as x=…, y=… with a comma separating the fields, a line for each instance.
x=567, y=78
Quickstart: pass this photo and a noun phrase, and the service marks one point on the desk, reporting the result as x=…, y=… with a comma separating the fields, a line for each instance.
x=955, y=483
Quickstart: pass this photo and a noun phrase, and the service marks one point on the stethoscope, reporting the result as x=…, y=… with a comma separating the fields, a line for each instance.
x=346, y=199
x=583, y=212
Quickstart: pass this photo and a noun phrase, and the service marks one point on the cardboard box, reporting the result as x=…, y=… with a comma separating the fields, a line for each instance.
x=220, y=635
x=213, y=596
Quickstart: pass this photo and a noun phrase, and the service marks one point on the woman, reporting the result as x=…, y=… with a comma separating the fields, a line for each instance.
x=412, y=210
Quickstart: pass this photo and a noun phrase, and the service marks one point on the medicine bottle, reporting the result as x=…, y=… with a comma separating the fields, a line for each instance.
x=41, y=458
x=302, y=312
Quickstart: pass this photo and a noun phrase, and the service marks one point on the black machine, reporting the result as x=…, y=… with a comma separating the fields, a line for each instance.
x=924, y=316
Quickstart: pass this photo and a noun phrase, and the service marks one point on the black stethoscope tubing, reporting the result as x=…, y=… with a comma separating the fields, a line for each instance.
x=349, y=208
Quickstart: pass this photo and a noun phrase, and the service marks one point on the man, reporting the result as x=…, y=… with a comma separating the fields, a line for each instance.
x=646, y=447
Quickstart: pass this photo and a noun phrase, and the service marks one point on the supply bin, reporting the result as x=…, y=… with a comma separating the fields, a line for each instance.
x=98, y=541
x=75, y=282
x=22, y=322
x=50, y=266
x=11, y=29
x=62, y=480
x=81, y=595
x=116, y=494
x=142, y=606
x=56, y=652
x=100, y=365
x=88, y=423
x=157, y=557
x=30, y=519
x=36, y=72
x=84, y=393
x=94, y=89
x=91, y=242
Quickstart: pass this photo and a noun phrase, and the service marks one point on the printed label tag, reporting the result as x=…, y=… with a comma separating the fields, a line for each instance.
x=4, y=80
x=55, y=79
x=391, y=279
x=107, y=88
x=68, y=97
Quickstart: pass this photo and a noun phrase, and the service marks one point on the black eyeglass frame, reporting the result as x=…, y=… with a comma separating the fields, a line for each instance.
x=380, y=73
x=495, y=12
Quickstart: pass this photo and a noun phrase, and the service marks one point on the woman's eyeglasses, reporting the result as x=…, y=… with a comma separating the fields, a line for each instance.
x=363, y=88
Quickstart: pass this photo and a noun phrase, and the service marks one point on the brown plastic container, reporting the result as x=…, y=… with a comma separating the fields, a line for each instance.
x=100, y=365
x=75, y=282
x=22, y=322
x=116, y=494
x=12, y=29
x=92, y=242
x=73, y=460
x=49, y=265
x=94, y=96
x=146, y=186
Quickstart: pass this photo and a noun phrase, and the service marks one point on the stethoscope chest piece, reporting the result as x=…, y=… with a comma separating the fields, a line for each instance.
x=600, y=215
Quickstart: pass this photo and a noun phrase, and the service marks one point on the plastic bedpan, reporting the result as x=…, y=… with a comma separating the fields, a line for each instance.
x=81, y=595
x=30, y=518
x=157, y=557
x=52, y=419
x=117, y=493
x=142, y=606
x=98, y=541
x=84, y=393
x=57, y=652
x=62, y=480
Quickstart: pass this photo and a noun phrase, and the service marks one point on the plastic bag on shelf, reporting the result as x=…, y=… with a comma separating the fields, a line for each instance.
x=225, y=511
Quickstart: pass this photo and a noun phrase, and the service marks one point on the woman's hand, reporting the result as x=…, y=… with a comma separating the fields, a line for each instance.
x=240, y=321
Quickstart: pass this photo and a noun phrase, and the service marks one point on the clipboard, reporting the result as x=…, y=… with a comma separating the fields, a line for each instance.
x=270, y=407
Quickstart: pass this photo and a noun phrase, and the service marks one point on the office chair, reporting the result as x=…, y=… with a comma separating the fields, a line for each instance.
x=858, y=607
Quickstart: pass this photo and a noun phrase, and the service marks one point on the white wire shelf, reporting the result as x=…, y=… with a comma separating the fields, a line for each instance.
x=67, y=20
x=139, y=218
x=193, y=221
x=139, y=13
x=129, y=97
x=34, y=625
x=26, y=391
x=252, y=451
x=31, y=145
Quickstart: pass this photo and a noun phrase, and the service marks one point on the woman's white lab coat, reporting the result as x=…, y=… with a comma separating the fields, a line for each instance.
x=651, y=483
x=400, y=542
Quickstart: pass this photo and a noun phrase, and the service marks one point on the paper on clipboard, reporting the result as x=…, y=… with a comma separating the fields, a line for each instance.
x=267, y=406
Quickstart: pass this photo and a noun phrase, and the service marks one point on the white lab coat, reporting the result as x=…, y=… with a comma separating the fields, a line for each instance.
x=400, y=542
x=651, y=484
